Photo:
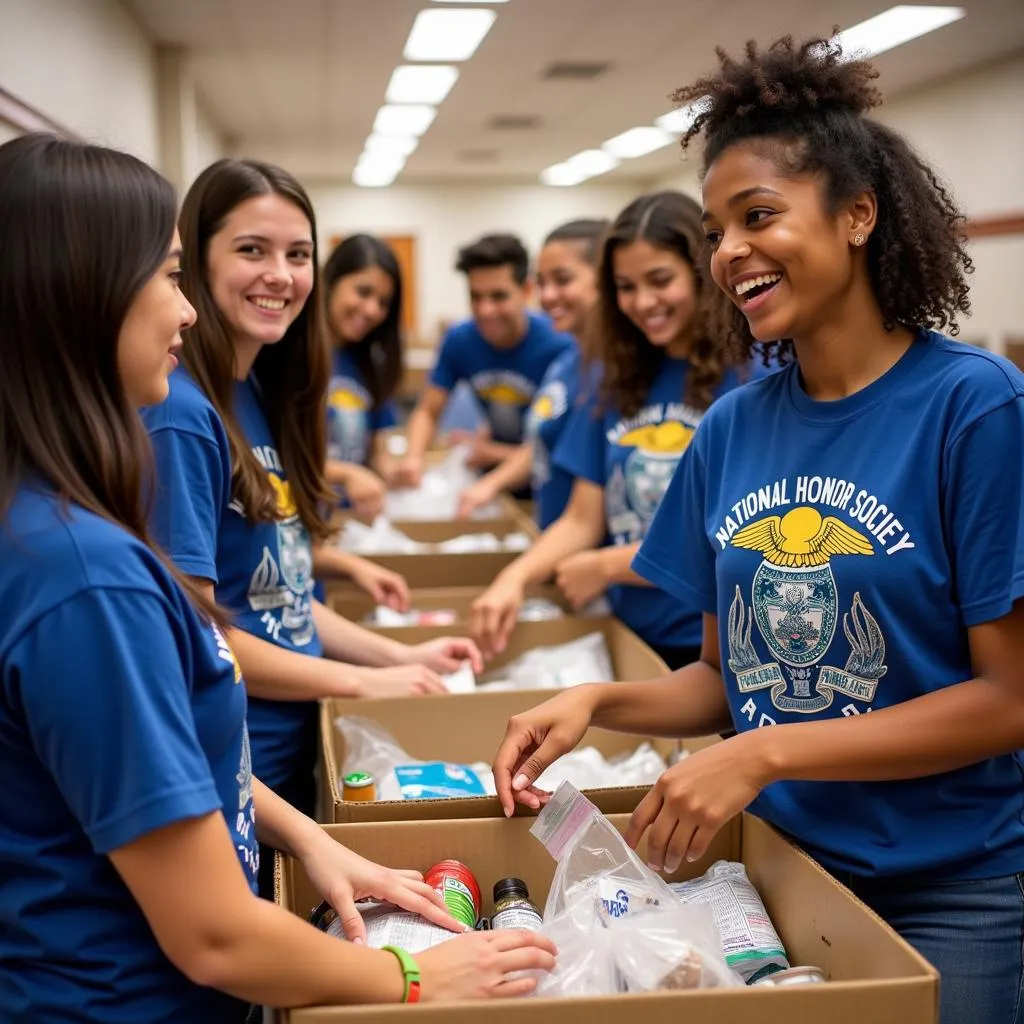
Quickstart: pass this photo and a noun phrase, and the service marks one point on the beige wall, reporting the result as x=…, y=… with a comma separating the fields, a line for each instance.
x=7, y=132
x=87, y=65
x=444, y=218
x=971, y=130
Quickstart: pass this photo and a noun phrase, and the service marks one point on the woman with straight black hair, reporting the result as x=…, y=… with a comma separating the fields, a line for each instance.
x=362, y=285
x=128, y=811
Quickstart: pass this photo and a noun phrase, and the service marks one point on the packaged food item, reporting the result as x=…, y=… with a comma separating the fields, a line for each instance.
x=751, y=944
x=359, y=787
x=386, y=925
x=458, y=888
x=792, y=976
x=513, y=907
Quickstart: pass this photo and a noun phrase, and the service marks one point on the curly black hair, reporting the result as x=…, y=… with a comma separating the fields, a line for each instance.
x=807, y=105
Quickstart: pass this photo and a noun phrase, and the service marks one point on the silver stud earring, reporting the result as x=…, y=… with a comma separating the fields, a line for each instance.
x=859, y=239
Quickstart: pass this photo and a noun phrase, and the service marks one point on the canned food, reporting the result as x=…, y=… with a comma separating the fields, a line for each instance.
x=359, y=787
x=458, y=888
x=793, y=976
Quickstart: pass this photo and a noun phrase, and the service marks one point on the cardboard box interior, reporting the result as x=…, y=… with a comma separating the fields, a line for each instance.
x=356, y=606
x=874, y=976
x=462, y=729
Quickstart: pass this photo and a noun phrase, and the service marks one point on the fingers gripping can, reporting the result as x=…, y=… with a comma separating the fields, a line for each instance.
x=458, y=888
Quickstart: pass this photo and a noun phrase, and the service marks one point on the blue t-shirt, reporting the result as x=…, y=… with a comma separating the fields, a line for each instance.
x=503, y=380
x=262, y=571
x=633, y=459
x=846, y=547
x=545, y=422
x=351, y=418
x=121, y=712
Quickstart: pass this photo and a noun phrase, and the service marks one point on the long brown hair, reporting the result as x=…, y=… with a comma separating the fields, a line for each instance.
x=82, y=230
x=671, y=221
x=293, y=374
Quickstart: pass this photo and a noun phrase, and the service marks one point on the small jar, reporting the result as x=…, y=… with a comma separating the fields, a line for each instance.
x=359, y=787
x=513, y=907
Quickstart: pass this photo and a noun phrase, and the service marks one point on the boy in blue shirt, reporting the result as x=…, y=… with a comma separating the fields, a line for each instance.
x=503, y=352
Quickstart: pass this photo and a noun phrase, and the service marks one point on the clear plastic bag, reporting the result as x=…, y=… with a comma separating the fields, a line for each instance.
x=619, y=927
x=585, y=660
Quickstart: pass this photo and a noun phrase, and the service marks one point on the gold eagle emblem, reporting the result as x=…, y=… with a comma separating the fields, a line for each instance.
x=801, y=538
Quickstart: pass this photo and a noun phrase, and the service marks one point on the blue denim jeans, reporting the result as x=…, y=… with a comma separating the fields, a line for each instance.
x=972, y=932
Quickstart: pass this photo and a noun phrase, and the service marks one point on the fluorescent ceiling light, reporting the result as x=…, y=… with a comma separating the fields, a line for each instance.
x=592, y=162
x=423, y=83
x=679, y=121
x=448, y=35
x=390, y=145
x=413, y=119
x=894, y=27
x=561, y=175
x=377, y=171
x=638, y=142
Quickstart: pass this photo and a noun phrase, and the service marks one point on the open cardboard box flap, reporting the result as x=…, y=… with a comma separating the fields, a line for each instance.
x=466, y=728
x=874, y=976
x=462, y=729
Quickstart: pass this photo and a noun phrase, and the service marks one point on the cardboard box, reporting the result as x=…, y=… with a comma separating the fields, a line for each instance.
x=421, y=571
x=462, y=729
x=356, y=605
x=510, y=518
x=874, y=976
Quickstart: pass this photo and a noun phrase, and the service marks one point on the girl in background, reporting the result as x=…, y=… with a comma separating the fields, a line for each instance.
x=363, y=287
x=240, y=451
x=658, y=336
x=567, y=286
x=128, y=814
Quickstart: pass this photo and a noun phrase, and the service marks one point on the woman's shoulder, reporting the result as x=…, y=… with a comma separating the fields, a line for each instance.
x=53, y=550
x=186, y=409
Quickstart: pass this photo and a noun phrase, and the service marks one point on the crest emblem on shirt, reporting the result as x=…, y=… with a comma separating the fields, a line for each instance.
x=650, y=466
x=795, y=604
x=280, y=587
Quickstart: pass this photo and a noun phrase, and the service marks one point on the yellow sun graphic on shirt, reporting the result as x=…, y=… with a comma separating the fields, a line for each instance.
x=504, y=394
x=544, y=407
x=285, y=502
x=668, y=437
x=342, y=398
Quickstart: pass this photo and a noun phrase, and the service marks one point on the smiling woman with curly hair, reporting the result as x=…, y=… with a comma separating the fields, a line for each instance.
x=851, y=528
x=657, y=336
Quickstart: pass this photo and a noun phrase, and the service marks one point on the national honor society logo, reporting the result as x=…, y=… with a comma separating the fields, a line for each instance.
x=550, y=404
x=796, y=607
x=649, y=468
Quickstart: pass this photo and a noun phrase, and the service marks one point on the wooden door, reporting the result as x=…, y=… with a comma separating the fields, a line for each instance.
x=404, y=248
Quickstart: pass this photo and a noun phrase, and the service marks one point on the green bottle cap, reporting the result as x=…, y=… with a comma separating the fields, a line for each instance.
x=357, y=780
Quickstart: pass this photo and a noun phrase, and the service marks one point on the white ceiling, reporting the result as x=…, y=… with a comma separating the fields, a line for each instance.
x=299, y=82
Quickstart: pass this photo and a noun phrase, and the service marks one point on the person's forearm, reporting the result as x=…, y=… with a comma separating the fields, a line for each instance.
x=420, y=432
x=938, y=732
x=345, y=641
x=332, y=562
x=273, y=673
x=281, y=826
x=514, y=472
x=275, y=958
x=564, y=537
x=496, y=452
x=336, y=472
x=690, y=702
x=617, y=563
